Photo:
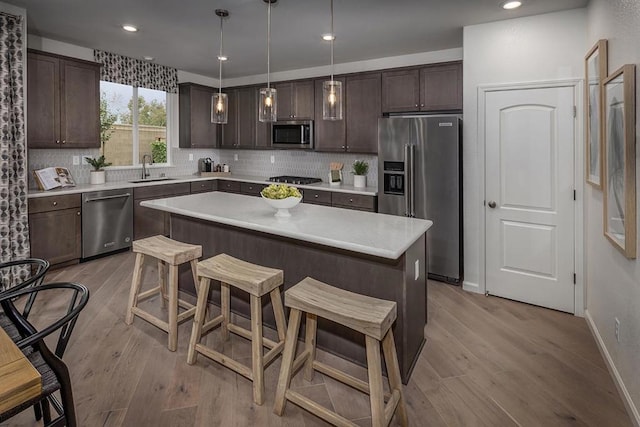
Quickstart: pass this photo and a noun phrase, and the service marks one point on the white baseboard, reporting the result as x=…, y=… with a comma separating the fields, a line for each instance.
x=617, y=379
x=471, y=287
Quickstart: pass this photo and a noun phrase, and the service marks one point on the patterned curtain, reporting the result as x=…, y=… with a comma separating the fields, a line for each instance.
x=14, y=223
x=135, y=72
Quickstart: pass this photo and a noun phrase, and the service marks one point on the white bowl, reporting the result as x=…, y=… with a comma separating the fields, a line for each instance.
x=282, y=205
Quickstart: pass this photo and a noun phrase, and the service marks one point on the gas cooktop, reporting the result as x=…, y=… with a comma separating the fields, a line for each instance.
x=300, y=180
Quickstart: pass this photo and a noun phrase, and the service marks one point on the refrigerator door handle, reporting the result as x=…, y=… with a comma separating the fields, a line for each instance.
x=408, y=178
x=412, y=199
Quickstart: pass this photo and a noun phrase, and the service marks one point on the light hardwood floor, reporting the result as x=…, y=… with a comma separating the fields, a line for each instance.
x=487, y=362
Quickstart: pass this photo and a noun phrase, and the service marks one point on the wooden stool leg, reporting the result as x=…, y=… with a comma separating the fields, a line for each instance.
x=136, y=282
x=194, y=273
x=284, y=379
x=162, y=281
x=278, y=311
x=173, y=307
x=376, y=395
x=310, y=345
x=225, y=307
x=256, y=350
x=393, y=371
x=198, y=320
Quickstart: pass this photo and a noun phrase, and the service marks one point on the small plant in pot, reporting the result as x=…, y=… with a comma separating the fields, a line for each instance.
x=360, y=169
x=98, y=174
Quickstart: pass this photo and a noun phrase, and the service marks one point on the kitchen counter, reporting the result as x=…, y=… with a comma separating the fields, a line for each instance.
x=84, y=188
x=385, y=236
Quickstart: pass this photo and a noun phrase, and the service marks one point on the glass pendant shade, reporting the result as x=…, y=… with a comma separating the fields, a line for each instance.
x=332, y=100
x=219, y=108
x=267, y=107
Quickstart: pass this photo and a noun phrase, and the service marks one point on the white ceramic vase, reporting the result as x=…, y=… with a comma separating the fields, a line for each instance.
x=97, y=177
x=360, y=181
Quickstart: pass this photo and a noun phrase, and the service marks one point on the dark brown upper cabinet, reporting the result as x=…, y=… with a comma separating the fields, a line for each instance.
x=295, y=100
x=196, y=129
x=430, y=88
x=63, y=102
x=363, y=109
x=243, y=130
x=329, y=135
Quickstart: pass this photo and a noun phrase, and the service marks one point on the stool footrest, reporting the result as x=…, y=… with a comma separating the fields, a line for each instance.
x=150, y=318
x=225, y=361
x=299, y=361
x=344, y=378
x=245, y=333
x=273, y=353
x=148, y=294
x=185, y=315
x=390, y=407
x=207, y=327
x=318, y=410
x=186, y=305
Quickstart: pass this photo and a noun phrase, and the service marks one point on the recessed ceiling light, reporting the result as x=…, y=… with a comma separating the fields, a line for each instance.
x=328, y=37
x=130, y=28
x=511, y=4
x=148, y=58
x=223, y=58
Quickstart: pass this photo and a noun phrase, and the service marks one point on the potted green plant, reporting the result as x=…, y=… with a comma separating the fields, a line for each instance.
x=98, y=174
x=359, y=170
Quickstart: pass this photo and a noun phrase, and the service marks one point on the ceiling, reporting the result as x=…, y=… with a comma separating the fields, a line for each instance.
x=185, y=34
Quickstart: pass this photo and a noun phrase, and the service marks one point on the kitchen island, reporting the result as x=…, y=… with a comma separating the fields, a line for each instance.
x=372, y=254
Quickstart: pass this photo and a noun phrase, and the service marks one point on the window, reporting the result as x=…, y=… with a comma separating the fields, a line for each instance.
x=133, y=122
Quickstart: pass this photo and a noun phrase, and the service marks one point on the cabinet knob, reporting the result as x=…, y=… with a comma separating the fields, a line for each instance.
x=416, y=105
x=55, y=203
x=250, y=188
x=316, y=196
x=57, y=141
x=343, y=147
x=64, y=141
x=422, y=105
x=78, y=213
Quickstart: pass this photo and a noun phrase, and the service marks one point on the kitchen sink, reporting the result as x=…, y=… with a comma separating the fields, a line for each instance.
x=138, y=181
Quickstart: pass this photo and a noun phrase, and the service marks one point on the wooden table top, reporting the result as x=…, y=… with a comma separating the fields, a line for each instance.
x=19, y=380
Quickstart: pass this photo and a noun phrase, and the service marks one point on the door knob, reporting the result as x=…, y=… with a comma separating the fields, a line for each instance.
x=492, y=204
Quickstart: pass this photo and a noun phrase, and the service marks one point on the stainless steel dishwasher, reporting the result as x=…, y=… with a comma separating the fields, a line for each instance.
x=107, y=221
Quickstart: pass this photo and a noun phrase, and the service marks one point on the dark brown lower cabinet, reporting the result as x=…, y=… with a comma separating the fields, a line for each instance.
x=361, y=202
x=55, y=227
x=204, y=186
x=151, y=222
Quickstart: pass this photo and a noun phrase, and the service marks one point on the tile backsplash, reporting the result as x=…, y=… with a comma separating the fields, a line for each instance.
x=250, y=162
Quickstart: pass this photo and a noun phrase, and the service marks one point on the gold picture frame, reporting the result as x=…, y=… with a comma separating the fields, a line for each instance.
x=619, y=160
x=595, y=71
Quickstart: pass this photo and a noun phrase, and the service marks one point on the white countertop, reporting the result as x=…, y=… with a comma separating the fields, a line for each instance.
x=385, y=236
x=84, y=188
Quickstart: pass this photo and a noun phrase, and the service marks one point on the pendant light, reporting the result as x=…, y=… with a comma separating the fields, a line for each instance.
x=219, y=101
x=267, y=108
x=332, y=89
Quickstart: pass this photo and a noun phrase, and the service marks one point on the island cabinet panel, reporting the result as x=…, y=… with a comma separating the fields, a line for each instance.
x=251, y=189
x=55, y=227
x=63, y=102
x=228, y=186
x=329, y=135
x=151, y=222
x=316, y=197
x=204, y=186
x=295, y=100
x=354, y=201
x=441, y=87
x=196, y=129
x=363, y=109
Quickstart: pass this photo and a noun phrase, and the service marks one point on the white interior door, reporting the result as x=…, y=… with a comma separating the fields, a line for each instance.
x=529, y=168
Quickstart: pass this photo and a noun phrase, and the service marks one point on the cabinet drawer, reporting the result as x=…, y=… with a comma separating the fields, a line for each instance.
x=355, y=201
x=229, y=186
x=316, y=197
x=54, y=203
x=203, y=186
x=251, y=189
x=161, y=190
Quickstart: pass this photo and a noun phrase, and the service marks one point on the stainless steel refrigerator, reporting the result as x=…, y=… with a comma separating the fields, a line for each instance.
x=420, y=175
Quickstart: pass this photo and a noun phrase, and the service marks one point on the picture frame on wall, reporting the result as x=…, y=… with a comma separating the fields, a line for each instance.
x=595, y=71
x=619, y=159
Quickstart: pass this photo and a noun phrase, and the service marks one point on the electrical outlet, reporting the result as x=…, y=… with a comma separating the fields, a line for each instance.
x=617, y=330
x=191, y=157
x=76, y=160
x=273, y=159
x=417, y=270
x=235, y=157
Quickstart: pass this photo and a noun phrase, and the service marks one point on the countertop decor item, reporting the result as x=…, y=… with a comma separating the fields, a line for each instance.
x=282, y=197
x=98, y=174
x=335, y=173
x=360, y=169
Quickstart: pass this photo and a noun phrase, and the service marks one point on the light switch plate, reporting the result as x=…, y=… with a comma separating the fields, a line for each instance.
x=191, y=157
x=417, y=270
x=235, y=157
x=273, y=159
x=76, y=160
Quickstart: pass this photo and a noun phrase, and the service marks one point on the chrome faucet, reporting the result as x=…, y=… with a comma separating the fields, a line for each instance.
x=146, y=174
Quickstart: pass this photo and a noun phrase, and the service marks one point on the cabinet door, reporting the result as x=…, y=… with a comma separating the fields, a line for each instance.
x=247, y=117
x=363, y=108
x=196, y=129
x=56, y=235
x=80, y=104
x=441, y=87
x=303, y=100
x=230, y=130
x=43, y=101
x=328, y=135
x=284, y=98
x=400, y=91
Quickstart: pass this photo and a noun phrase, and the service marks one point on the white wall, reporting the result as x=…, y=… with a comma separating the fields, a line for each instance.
x=537, y=48
x=613, y=282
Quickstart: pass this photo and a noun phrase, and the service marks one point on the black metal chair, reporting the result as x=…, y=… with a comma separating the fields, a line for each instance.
x=20, y=274
x=54, y=373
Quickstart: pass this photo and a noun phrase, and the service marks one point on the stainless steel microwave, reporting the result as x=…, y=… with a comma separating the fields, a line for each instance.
x=293, y=134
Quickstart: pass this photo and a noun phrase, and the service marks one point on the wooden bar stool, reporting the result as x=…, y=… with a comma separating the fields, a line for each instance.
x=257, y=281
x=371, y=316
x=173, y=253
